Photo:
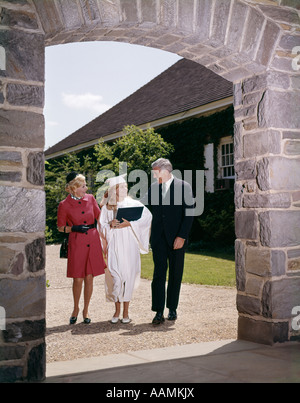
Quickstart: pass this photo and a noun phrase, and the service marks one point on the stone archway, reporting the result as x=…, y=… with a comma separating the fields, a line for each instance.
x=254, y=44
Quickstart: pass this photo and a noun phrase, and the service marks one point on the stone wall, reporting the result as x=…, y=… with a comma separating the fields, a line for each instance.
x=22, y=198
x=267, y=139
x=254, y=44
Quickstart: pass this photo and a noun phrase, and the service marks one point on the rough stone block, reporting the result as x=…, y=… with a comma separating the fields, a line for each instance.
x=36, y=368
x=8, y=353
x=236, y=75
x=18, y=18
x=281, y=14
x=238, y=140
x=263, y=174
x=49, y=16
x=278, y=79
x=220, y=20
x=168, y=12
x=280, y=228
x=280, y=297
x=11, y=157
x=252, y=98
x=25, y=95
x=296, y=196
x=11, y=176
x=11, y=373
x=239, y=13
x=284, y=64
x=291, y=3
x=253, y=32
x=238, y=195
x=245, y=170
x=129, y=10
x=23, y=298
x=292, y=148
x=248, y=305
x=295, y=80
x=36, y=255
x=240, y=265
x=258, y=261
x=24, y=55
x=90, y=11
x=290, y=135
x=70, y=13
x=294, y=264
x=278, y=263
x=186, y=15
x=267, y=44
x=22, y=210
x=294, y=259
x=279, y=110
x=7, y=255
x=248, y=111
x=203, y=17
x=293, y=253
x=149, y=10
x=21, y=129
x=11, y=261
x=166, y=40
x=268, y=142
x=263, y=332
x=272, y=200
x=253, y=84
x=253, y=286
x=246, y=224
x=28, y=330
x=109, y=12
x=278, y=173
x=238, y=95
x=35, y=168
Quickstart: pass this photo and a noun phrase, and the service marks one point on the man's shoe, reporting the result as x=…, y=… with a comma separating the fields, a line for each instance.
x=172, y=315
x=158, y=318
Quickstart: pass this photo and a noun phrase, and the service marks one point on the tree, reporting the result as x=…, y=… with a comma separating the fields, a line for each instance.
x=137, y=148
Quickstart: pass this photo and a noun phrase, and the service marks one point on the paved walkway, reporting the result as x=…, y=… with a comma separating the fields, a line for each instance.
x=227, y=361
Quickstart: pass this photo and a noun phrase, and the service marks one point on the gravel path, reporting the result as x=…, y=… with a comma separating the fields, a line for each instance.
x=205, y=313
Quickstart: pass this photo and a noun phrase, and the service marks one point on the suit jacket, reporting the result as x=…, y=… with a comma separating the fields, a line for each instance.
x=170, y=213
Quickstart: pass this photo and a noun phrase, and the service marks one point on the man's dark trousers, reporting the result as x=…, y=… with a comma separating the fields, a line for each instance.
x=164, y=256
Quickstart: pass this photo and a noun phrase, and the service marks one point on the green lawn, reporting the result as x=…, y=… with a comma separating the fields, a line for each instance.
x=211, y=268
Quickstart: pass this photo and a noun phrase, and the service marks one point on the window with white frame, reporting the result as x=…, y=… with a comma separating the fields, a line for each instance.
x=226, y=159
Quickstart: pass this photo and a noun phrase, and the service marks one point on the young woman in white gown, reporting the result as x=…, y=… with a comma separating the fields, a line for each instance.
x=122, y=244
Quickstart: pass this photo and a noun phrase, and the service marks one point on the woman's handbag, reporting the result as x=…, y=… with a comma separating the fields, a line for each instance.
x=63, y=253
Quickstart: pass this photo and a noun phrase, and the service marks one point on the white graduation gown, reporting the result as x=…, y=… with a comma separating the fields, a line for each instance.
x=123, y=254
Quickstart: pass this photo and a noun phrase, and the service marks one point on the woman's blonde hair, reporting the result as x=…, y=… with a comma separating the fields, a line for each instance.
x=75, y=183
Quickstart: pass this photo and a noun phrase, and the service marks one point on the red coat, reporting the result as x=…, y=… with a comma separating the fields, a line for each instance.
x=85, y=251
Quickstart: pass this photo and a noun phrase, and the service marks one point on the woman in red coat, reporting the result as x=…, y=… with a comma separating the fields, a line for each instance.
x=76, y=216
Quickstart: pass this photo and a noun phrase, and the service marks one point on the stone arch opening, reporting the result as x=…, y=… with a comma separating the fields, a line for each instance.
x=251, y=43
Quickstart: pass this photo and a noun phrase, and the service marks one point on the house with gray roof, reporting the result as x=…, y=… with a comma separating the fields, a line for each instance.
x=183, y=92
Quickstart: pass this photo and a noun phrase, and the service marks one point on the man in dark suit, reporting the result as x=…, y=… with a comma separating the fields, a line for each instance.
x=171, y=201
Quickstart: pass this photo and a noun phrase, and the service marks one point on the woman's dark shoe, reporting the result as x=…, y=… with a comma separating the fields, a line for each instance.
x=87, y=321
x=73, y=320
x=158, y=318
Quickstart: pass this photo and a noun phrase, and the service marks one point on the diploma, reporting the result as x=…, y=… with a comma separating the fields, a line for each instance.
x=129, y=213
